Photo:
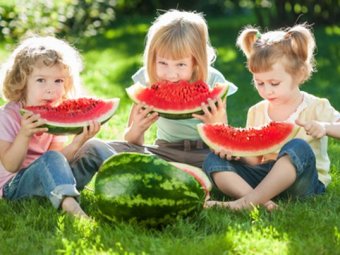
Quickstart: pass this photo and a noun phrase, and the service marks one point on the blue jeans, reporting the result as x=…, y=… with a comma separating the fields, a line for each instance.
x=52, y=176
x=301, y=156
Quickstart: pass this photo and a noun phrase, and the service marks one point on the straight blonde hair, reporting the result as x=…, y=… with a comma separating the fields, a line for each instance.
x=176, y=35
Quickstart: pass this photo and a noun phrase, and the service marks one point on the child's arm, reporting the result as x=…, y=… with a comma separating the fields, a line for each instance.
x=214, y=112
x=88, y=132
x=318, y=129
x=13, y=154
x=140, y=119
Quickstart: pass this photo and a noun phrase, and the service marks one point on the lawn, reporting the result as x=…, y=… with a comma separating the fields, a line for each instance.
x=304, y=227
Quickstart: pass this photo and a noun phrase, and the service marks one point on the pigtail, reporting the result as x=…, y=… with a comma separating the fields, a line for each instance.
x=302, y=41
x=247, y=38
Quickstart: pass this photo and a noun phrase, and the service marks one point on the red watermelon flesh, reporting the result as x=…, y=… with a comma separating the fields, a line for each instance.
x=247, y=141
x=73, y=114
x=181, y=98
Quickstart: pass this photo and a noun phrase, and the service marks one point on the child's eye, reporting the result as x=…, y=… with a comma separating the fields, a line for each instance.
x=259, y=83
x=40, y=80
x=59, y=81
x=274, y=84
x=161, y=63
x=181, y=65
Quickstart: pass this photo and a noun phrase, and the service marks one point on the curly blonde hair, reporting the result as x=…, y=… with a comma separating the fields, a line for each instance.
x=32, y=51
x=176, y=35
x=294, y=45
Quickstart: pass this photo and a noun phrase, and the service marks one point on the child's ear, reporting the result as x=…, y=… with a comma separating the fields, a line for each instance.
x=301, y=75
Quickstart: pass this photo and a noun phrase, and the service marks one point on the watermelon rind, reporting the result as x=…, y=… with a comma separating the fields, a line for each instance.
x=145, y=189
x=216, y=146
x=198, y=173
x=59, y=128
x=137, y=88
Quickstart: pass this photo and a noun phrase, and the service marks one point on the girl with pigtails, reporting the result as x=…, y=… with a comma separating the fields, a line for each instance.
x=280, y=62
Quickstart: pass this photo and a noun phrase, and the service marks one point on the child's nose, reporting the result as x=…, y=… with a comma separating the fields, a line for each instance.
x=49, y=90
x=172, y=76
x=268, y=89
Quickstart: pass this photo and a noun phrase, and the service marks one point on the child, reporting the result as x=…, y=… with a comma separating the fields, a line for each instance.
x=44, y=70
x=280, y=62
x=177, y=48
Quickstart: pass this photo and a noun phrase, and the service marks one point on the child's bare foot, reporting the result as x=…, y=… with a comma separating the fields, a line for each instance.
x=270, y=206
x=235, y=205
x=239, y=204
x=213, y=203
x=71, y=206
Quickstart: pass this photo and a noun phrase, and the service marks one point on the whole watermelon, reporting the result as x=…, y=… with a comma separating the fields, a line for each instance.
x=143, y=188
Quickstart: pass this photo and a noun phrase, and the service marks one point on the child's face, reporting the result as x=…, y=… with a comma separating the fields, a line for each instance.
x=277, y=86
x=174, y=70
x=45, y=85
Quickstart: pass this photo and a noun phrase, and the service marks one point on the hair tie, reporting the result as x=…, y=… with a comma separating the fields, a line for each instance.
x=258, y=35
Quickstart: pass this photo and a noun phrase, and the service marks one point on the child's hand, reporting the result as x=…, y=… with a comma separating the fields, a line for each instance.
x=313, y=128
x=214, y=112
x=88, y=132
x=30, y=124
x=223, y=154
x=143, y=118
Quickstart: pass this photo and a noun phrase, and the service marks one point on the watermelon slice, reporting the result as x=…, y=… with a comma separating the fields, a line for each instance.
x=72, y=115
x=197, y=173
x=176, y=100
x=245, y=142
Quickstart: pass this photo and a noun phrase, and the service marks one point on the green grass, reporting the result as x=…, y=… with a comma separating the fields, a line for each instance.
x=306, y=227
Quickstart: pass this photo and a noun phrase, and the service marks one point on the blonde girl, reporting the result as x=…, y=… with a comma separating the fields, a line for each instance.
x=44, y=70
x=177, y=48
x=280, y=62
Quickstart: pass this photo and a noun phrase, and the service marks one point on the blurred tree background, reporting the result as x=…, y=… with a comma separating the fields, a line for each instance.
x=87, y=18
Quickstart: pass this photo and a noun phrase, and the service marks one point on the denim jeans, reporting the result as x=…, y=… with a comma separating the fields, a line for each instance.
x=301, y=156
x=52, y=176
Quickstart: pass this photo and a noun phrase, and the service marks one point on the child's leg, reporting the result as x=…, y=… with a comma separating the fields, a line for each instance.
x=49, y=176
x=88, y=159
x=294, y=170
x=234, y=178
x=231, y=184
x=71, y=206
x=278, y=179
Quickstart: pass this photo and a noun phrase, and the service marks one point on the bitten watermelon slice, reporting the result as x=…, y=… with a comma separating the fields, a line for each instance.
x=196, y=172
x=143, y=188
x=72, y=115
x=245, y=142
x=176, y=100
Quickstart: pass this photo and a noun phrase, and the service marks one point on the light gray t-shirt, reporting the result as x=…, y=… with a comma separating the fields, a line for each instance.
x=178, y=130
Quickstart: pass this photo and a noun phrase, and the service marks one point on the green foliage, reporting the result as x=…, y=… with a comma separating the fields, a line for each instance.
x=73, y=18
x=269, y=13
x=289, y=12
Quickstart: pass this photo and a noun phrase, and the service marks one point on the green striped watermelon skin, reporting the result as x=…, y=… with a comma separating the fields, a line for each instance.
x=143, y=188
